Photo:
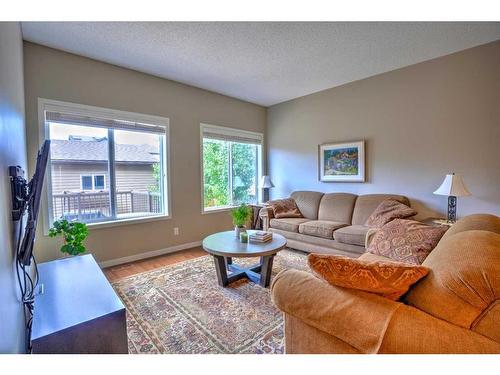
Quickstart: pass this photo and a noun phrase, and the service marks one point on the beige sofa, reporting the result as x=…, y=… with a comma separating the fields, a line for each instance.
x=332, y=223
x=454, y=309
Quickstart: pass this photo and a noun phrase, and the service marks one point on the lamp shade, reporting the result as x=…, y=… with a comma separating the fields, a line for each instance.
x=453, y=185
x=265, y=182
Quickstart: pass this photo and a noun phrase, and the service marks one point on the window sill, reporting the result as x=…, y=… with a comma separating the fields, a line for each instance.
x=215, y=210
x=126, y=221
x=129, y=221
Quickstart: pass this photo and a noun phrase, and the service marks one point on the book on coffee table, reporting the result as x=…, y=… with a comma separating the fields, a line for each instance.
x=260, y=236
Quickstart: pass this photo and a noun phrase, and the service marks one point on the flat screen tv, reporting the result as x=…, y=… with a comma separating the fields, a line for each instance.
x=26, y=198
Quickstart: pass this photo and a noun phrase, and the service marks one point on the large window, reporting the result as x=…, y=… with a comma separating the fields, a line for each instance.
x=105, y=165
x=232, y=166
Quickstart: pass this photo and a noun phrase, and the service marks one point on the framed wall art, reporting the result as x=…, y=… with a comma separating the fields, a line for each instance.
x=342, y=162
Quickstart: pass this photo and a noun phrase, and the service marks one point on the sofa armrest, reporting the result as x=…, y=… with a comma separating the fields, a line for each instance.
x=266, y=214
x=357, y=318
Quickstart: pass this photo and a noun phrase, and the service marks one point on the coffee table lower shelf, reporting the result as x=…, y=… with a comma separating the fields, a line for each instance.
x=258, y=273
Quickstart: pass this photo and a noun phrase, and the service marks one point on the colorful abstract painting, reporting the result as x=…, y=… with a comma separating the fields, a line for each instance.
x=342, y=162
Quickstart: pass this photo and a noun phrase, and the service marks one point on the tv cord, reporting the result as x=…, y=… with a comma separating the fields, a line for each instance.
x=27, y=286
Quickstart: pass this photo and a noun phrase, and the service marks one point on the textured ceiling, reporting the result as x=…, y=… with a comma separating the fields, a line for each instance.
x=264, y=63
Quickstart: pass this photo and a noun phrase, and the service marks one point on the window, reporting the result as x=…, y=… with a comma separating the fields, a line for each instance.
x=87, y=183
x=99, y=182
x=92, y=182
x=232, y=166
x=105, y=165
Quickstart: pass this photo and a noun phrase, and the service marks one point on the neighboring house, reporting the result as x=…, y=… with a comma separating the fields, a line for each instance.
x=81, y=164
x=80, y=178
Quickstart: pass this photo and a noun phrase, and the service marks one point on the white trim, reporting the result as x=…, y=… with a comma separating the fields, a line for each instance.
x=224, y=130
x=260, y=168
x=126, y=221
x=148, y=254
x=111, y=114
x=214, y=210
x=101, y=112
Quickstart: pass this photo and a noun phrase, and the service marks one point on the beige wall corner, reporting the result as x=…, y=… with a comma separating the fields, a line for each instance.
x=419, y=123
x=12, y=152
x=54, y=74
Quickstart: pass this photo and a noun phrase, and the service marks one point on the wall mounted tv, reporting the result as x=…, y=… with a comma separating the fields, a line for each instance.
x=26, y=200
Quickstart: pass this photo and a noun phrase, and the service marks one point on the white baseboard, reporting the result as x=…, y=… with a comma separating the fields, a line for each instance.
x=148, y=254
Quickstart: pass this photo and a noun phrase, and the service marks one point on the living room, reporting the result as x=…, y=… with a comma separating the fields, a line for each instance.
x=250, y=187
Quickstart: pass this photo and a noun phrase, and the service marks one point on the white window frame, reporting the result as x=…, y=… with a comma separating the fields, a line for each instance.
x=93, y=176
x=49, y=105
x=231, y=132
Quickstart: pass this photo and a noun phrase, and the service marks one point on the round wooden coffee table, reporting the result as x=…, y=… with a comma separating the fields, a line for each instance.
x=224, y=246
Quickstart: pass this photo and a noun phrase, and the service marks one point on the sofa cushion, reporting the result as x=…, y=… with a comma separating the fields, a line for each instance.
x=320, y=228
x=366, y=204
x=406, y=240
x=387, y=278
x=308, y=203
x=288, y=224
x=311, y=244
x=337, y=207
x=464, y=281
x=352, y=234
x=388, y=210
x=283, y=208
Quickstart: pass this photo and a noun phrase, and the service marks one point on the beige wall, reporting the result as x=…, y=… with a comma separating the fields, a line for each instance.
x=12, y=152
x=58, y=75
x=419, y=123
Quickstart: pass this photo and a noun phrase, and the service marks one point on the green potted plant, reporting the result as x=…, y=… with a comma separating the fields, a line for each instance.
x=73, y=233
x=240, y=216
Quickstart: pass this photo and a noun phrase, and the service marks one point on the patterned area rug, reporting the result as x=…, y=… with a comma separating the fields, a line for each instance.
x=181, y=309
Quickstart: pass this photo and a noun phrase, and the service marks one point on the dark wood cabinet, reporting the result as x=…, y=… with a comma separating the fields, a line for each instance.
x=78, y=311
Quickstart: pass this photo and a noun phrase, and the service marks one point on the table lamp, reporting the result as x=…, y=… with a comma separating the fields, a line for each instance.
x=453, y=186
x=265, y=185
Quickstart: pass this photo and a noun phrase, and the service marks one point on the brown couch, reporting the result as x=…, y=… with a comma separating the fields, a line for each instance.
x=332, y=223
x=455, y=309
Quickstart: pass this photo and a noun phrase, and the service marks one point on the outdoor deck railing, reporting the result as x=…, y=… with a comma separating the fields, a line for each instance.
x=88, y=206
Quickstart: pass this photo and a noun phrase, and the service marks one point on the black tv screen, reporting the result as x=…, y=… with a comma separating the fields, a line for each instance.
x=33, y=204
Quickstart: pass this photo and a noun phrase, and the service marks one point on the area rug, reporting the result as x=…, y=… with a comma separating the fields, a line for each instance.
x=181, y=309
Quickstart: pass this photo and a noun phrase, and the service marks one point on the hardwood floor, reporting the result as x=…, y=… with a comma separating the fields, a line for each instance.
x=128, y=269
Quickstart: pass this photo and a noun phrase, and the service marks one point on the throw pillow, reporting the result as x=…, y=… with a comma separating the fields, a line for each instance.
x=386, y=278
x=388, y=210
x=284, y=208
x=407, y=241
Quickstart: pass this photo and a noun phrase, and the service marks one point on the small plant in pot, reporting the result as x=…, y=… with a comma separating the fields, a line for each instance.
x=240, y=216
x=73, y=233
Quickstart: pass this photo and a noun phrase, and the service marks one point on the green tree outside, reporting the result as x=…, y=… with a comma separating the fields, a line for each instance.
x=155, y=188
x=244, y=172
x=216, y=155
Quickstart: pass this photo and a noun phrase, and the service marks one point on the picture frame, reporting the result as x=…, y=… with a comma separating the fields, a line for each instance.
x=341, y=162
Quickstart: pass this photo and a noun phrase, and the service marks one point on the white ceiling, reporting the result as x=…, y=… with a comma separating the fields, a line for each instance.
x=261, y=62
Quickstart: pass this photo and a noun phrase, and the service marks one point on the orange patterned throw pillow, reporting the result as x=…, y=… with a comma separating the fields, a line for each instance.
x=388, y=279
x=407, y=241
x=284, y=208
x=388, y=210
